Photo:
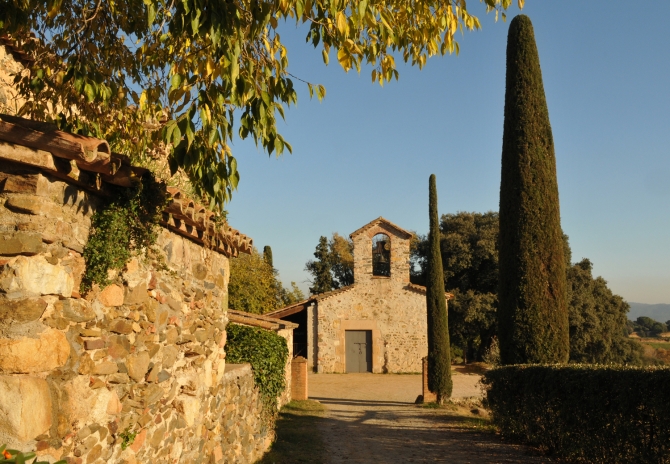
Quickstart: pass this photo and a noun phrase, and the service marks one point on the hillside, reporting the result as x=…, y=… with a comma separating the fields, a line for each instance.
x=659, y=312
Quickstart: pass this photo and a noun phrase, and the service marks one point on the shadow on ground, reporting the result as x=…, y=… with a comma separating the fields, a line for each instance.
x=362, y=431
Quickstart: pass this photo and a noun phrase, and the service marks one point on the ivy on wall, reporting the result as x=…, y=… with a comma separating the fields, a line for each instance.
x=124, y=225
x=267, y=353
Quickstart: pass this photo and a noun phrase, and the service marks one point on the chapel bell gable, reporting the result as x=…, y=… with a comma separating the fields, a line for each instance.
x=381, y=252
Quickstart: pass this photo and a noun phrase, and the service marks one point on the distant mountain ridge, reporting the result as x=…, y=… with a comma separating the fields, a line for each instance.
x=659, y=312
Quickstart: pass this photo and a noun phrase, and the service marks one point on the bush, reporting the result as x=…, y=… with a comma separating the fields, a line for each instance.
x=267, y=353
x=584, y=412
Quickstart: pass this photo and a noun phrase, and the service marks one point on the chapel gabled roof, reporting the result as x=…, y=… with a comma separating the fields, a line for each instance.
x=380, y=220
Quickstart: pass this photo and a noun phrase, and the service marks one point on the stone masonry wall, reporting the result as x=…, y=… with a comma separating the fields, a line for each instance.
x=388, y=306
x=395, y=315
x=143, y=356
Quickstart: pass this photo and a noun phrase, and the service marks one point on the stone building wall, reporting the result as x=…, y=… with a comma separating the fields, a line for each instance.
x=394, y=313
x=362, y=240
x=390, y=307
x=143, y=356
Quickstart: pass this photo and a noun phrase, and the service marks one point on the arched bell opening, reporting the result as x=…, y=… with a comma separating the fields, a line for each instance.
x=381, y=255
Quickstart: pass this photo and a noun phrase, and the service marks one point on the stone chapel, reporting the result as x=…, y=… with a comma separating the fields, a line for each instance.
x=376, y=325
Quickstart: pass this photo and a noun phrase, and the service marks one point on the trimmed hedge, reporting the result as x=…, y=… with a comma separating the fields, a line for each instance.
x=267, y=353
x=586, y=413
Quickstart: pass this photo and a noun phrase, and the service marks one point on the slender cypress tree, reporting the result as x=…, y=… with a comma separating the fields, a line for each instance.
x=533, y=312
x=267, y=255
x=439, y=351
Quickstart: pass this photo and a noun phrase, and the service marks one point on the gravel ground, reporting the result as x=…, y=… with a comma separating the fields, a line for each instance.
x=372, y=418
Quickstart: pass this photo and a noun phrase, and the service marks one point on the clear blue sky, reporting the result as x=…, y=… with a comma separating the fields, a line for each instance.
x=367, y=151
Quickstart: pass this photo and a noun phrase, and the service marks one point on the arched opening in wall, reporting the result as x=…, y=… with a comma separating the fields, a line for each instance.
x=381, y=255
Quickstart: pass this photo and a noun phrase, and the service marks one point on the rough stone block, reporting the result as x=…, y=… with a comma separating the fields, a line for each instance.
x=86, y=405
x=28, y=183
x=188, y=406
x=35, y=276
x=199, y=271
x=22, y=310
x=25, y=407
x=17, y=243
x=27, y=355
x=136, y=295
x=112, y=295
x=32, y=204
x=138, y=365
x=94, y=344
x=105, y=368
x=75, y=310
x=121, y=327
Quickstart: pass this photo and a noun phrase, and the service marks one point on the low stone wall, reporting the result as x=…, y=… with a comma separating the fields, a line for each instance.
x=245, y=435
x=134, y=372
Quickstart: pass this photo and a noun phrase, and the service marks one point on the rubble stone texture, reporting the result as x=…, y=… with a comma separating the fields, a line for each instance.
x=390, y=307
x=143, y=356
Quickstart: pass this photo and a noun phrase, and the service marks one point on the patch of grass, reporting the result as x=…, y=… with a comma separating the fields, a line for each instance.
x=464, y=413
x=665, y=346
x=298, y=439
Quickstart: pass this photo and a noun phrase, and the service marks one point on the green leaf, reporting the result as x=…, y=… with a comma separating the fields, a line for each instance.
x=89, y=92
x=176, y=135
x=151, y=13
x=176, y=81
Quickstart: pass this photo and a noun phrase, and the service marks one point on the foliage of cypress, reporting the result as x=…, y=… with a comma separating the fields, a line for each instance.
x=267, y=255
x=439, y=351
x=533, y=314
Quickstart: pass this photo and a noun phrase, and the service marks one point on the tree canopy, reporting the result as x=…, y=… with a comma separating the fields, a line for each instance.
x=333, y=267
x=254, y=286
x=468, y=241
x=597, y=320
x=169, y=82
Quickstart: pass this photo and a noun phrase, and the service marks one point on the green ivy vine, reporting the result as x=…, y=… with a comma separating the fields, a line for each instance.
x=267, y=353
x=126, y=223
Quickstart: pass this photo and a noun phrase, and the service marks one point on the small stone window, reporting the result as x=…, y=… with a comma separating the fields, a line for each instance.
x=381, y=255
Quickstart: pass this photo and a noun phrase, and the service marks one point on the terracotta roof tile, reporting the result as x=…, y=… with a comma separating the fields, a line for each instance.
x=422, y=289
x=89, y=163
x=381, y=220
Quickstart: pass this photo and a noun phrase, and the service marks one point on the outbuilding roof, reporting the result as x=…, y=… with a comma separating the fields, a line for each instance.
x=257, y=320
x=302, y=305
x=89, y=163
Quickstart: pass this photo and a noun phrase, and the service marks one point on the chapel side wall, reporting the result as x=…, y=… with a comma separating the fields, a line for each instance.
x=396, y=315
x=143, y=356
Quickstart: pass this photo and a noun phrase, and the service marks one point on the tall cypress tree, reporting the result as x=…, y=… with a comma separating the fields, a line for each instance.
x=439, y=351
x=533, y=312
x=267, y=255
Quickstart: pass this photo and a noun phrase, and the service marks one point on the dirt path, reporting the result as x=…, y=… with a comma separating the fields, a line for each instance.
x=373, y=419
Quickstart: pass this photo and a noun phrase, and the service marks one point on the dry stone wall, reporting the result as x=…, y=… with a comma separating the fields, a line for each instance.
x=134, y=372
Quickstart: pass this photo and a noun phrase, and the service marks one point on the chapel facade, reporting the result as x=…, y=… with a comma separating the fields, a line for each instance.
x=376, y=325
